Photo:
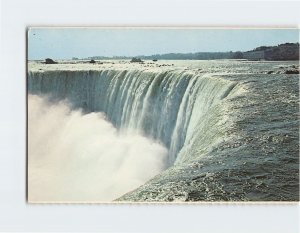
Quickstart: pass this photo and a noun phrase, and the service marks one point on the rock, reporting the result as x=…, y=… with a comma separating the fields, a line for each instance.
x=154, y=60
x=49, y=61
x=270, y=72
x=291, y=72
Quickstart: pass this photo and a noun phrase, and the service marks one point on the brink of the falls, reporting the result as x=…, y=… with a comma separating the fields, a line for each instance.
x=231, y=132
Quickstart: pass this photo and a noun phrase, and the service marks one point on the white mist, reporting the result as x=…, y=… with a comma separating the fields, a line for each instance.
x=76, y=157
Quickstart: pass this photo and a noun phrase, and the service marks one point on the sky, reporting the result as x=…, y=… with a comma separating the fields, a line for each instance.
x=65, y=43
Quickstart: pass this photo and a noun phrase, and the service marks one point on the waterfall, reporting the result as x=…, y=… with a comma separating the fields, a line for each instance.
x=165, y=105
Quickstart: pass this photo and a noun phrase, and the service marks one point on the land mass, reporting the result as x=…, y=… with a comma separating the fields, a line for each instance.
x=281, y=52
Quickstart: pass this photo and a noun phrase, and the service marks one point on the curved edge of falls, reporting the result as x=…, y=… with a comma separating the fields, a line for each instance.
x=230, y=137
x=167, y=106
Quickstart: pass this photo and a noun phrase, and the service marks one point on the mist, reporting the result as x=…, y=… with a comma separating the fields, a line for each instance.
x=76, y=157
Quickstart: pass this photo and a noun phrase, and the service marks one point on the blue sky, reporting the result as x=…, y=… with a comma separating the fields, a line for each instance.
x=65, y=43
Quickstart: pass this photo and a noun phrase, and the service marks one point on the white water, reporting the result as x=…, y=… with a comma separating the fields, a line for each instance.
x=184, y=109
x=76, y=157
x=165, y=105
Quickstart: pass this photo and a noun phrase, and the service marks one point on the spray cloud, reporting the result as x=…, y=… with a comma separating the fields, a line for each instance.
x=82, y=157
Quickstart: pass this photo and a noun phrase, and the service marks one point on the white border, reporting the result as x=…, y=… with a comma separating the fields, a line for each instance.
x=17, y=215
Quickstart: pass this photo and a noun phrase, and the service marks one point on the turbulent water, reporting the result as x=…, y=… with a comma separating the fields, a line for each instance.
x=230, y=127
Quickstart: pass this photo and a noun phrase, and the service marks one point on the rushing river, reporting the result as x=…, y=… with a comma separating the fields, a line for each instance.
x=206, y=131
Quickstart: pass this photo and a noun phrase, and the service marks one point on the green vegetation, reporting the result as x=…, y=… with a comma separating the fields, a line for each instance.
x=287, y=51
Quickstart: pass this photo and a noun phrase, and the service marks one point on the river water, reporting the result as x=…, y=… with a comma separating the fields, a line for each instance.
x=230, y=128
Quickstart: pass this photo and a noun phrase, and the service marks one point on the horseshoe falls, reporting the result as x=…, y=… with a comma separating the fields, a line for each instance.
x=196, y=131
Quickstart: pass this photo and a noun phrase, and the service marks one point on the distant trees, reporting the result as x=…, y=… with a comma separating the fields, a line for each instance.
x=237, y=55
x=281, y=52
x=287, y=51
x=134, y=59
